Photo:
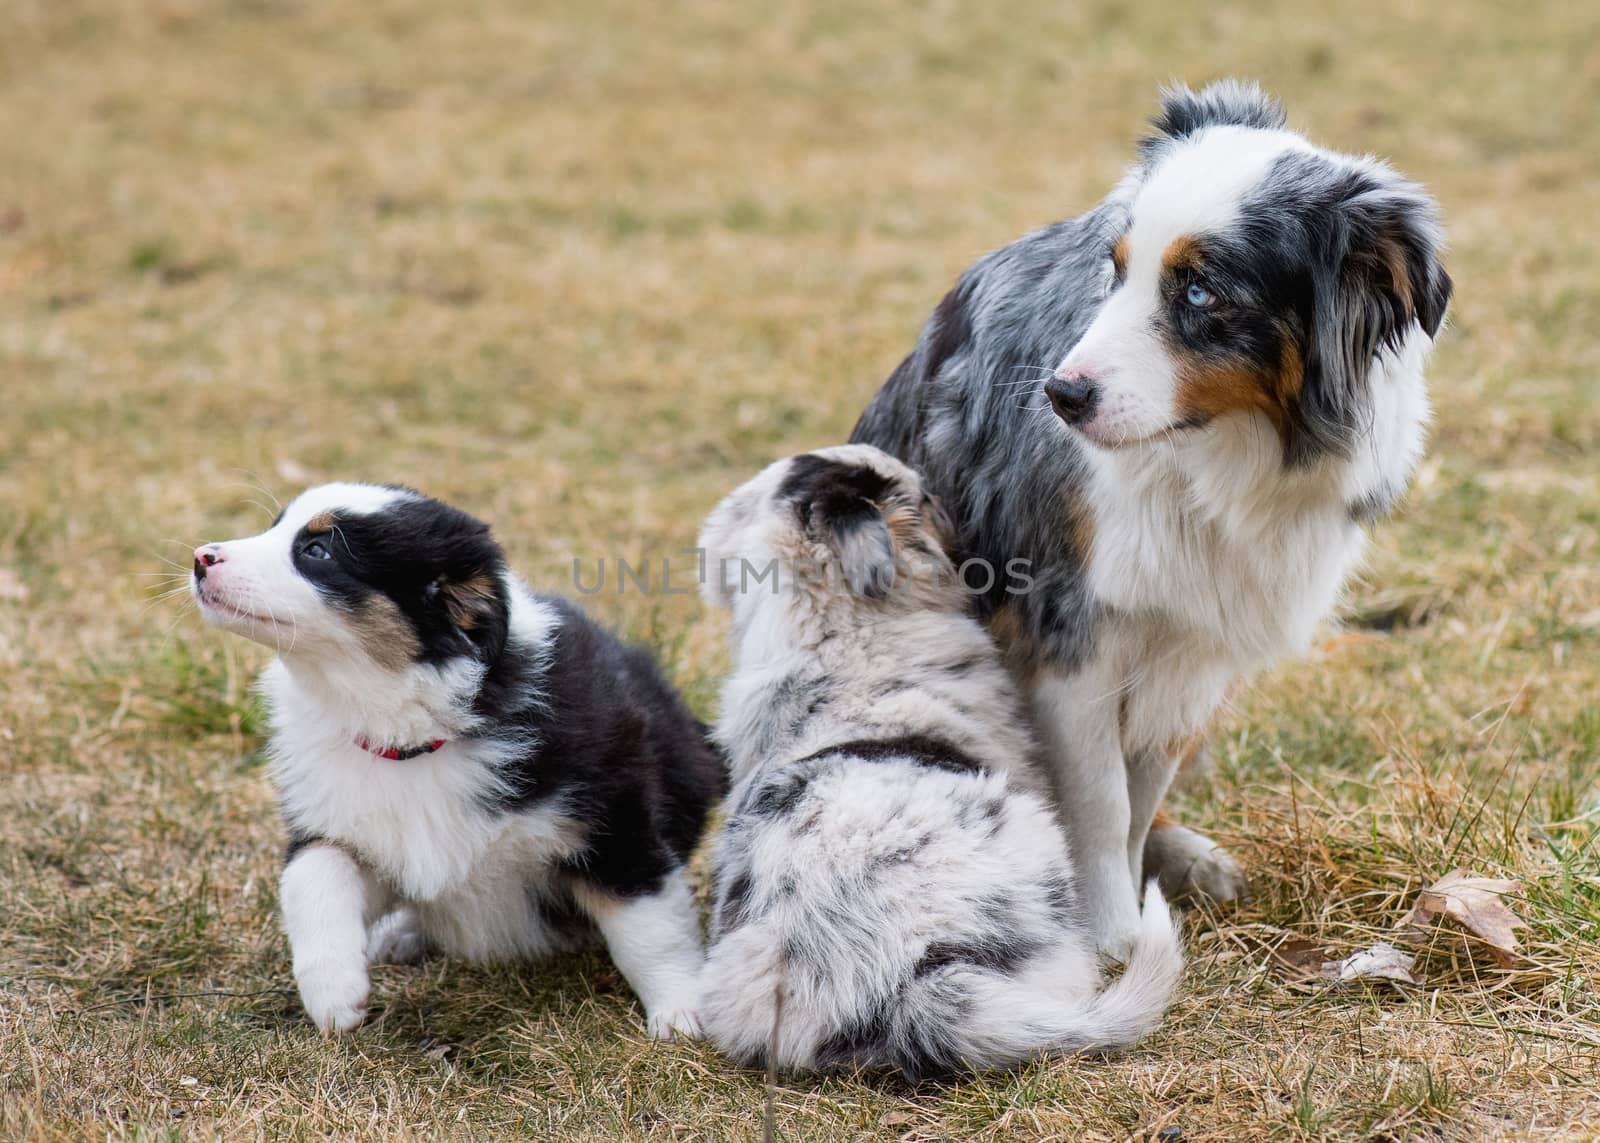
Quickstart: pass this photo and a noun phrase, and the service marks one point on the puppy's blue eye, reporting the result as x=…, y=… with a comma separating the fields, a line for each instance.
x=1199, y=297
x=316, y=550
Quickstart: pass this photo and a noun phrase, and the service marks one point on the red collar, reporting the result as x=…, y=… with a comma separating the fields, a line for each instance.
x=395, y=754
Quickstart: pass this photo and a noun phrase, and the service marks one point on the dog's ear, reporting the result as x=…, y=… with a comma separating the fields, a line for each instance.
x=1378, y=273
x=1226, y=102
x=840, y=504
x=1393, y=255
x=859, y=535
x=468, y=601
x=471, y=603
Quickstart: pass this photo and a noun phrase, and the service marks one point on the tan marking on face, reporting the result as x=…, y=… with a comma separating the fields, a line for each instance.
x=386, y=634
x=1119, y=255
x=321, y=524
x=1181, y=254
x=1211, y=389
x=1207, y=388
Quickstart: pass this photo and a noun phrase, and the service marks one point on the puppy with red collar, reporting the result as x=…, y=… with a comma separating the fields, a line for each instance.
x=464, y=766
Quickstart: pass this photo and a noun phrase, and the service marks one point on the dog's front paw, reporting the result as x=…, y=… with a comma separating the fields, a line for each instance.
x=671, y=1021
x=396, y=939
x=335, y=995
x=1189, y=864
x=1115, y=940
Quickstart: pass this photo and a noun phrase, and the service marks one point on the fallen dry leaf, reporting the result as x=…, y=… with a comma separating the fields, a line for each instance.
x=1474, y=903
x=1300, y=956
x=1381, y=962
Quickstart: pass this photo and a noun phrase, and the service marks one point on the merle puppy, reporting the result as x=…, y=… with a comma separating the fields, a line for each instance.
x=1182, y=409
x=463, y=765
x=891, y=888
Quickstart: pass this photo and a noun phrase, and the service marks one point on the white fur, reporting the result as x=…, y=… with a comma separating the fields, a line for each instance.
x=832, y=912
x=328, y=901
x=1212, y=557
x=414, y=835
x=255, y=591
x=1194, y=191
x=655, y=943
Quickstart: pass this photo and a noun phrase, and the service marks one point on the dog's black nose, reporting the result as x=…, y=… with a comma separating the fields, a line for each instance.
x=1074, y=397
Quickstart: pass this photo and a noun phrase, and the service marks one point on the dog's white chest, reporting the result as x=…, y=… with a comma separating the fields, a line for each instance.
x=496, y=912
x=1241, y=588
x=421, y=823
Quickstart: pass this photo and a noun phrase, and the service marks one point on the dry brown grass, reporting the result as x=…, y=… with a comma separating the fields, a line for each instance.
x=582, y=270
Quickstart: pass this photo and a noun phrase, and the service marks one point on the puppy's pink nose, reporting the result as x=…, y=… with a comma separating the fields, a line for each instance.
x=206, y=556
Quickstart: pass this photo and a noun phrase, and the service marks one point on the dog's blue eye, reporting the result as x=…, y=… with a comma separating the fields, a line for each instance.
x=316, y=550
x=1199, y=297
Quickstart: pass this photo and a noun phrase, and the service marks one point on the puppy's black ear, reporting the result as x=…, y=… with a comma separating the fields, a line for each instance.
x=1226, y=102
x=859, y=534
x=839, y=504
x=468, y=600
x=472, y=604
x=1378, y=274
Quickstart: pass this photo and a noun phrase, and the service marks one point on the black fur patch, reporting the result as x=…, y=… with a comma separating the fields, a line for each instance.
x=616, y=747
x=424, y=556
x=732, y=905
x=1344, y=261
x=920, y=748
x=843, y=504
x=1185, y=111
x=856, y=1046
x=297, y=842
x=778, y=797
x=999, y=953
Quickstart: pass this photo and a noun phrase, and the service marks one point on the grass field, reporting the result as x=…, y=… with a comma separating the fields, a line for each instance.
x=582, y=268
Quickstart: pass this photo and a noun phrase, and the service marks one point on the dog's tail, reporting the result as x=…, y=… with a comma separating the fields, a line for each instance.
x=1015, y=1023
x=962, y=1017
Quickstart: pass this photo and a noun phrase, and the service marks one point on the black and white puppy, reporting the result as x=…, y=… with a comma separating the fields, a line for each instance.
x=1233, y=346
x=463, y=765
x=892, y=888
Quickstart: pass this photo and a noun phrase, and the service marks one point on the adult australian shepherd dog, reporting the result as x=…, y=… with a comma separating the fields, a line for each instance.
x=1232, y=345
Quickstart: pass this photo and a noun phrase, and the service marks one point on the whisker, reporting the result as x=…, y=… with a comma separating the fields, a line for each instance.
x=252, y=481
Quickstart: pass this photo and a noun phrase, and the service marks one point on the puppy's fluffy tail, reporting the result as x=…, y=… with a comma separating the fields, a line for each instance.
x=1015, y=1023
x=962, y=1018
x=1131, y=1006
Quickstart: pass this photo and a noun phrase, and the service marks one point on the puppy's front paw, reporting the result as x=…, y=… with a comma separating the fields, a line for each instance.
x=334, y=995
x=1190, y=864
x=396, y=939
x=671, y=1021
